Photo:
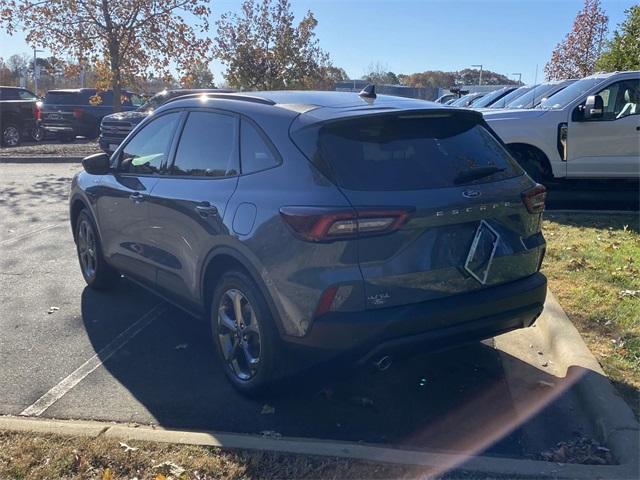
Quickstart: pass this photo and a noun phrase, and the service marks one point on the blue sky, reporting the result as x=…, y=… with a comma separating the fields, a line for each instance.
x=407, y=36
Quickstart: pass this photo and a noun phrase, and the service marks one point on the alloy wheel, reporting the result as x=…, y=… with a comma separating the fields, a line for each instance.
x=11, y=136
x=87, y=249
x=239, y=334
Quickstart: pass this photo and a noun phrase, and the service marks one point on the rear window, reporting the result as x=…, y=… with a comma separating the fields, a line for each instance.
x=406, y=152
x=63, y=98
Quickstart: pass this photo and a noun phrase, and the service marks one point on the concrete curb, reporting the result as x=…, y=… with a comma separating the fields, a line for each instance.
x=41, y=159
x=615, y=421
x=436, y=462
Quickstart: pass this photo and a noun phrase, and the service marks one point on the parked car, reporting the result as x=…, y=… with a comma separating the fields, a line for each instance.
x=335, y=225
x=67, y=114
x=19, y=110
x=590, y=129
x=446, y=97
x=537, y=94
x=492, y=97
x=518, y=92
x=468, y=99
x=115, y=127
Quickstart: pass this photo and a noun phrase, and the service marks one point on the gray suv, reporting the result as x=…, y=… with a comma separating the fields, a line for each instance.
x=333, y=224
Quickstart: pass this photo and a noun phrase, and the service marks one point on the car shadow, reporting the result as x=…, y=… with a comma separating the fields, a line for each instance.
x=593, y=195
x=454, y=400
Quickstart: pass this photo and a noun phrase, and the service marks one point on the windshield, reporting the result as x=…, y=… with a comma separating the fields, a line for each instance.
x=569, y=94
x=518, y=92
x=533, y=96
x=155, y=101
x=489, y=98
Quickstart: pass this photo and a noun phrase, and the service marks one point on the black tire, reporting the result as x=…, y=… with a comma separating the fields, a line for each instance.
x=96, y=272
x=11, y=135
x=533, y=162
x=256, y=379
x=66, y=137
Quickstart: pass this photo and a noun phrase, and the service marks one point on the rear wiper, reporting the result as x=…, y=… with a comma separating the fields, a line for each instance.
x=475, y=173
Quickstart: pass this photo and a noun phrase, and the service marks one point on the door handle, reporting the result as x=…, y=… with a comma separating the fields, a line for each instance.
x=205, y=209
x=137, y=197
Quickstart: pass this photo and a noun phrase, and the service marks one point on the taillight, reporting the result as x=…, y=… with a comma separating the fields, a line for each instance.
x=535, y=198
x=320, y=224
x=38, y=111
x=78, y=112
x=325, y=302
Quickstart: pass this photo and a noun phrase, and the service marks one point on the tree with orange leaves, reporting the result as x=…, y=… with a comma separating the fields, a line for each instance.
x=120, y=39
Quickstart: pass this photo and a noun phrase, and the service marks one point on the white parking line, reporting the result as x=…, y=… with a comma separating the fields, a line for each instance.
x=62, y=388
x=28, y=234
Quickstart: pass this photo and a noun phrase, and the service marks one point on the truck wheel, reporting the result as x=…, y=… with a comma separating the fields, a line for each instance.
x=533, y=162
x=11, y=135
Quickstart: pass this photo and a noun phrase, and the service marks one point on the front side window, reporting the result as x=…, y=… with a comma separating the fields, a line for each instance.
x=255, y=153
x=620, y=99
x=208, y=146
x=146, y=152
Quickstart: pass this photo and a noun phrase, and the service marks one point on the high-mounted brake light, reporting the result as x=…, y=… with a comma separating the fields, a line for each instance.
x=320, y=224
x=534, y=198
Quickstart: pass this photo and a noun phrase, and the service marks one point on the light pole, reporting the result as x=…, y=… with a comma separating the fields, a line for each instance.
x=479, y=79
x=35, y=69
x=519, y=77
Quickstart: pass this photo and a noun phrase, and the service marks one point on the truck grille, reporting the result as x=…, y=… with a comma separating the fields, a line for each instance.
x=112, y=128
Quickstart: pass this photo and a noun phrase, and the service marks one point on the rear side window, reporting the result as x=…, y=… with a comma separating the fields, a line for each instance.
x=406, y=152
x=149, y=147
x=255, y=153
x=208, y=146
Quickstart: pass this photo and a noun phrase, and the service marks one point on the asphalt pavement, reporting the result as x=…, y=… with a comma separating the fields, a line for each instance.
x=69, y=352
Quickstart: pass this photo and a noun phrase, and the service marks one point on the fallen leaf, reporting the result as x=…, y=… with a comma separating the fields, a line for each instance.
x=52, y=310
x=107, y=474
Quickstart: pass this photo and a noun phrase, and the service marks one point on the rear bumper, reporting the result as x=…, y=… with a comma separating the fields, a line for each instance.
x=406, y=329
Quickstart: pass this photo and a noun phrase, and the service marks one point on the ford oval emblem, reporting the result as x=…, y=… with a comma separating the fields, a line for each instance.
x=471, y=194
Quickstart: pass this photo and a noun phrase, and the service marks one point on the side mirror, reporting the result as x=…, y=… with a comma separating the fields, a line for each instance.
x=97, y=164
x=593, y=107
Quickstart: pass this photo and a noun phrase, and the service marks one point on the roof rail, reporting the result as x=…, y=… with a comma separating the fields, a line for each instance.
x=224, y=96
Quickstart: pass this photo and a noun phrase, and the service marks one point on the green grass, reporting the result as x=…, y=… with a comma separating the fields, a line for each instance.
x=593, y=267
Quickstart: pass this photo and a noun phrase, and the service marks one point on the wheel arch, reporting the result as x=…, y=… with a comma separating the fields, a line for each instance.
x=540, y=155
x=225, y=258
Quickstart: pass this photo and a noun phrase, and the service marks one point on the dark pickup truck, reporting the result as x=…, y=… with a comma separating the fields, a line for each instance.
x=78, y=112
x=115, y=127
x=19, y=109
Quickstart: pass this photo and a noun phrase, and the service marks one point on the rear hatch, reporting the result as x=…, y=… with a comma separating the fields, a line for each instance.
x=58, y=108
x=455, y=191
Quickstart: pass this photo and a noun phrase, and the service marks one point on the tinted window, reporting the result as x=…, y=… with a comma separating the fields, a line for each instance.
x=406, y=153
x=511, y=97
x=62, y=98
x=9, y=94
x=208, y=146
x=255, y=153
x=26, y=95
x=569, y=94
x=149, y=147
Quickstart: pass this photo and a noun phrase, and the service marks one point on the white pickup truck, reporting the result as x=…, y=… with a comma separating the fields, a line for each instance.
x=591, y=129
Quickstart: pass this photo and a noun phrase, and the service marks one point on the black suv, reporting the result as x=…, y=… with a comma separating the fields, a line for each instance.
x=115, y=127
x=69, y=113
x=18, y=111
